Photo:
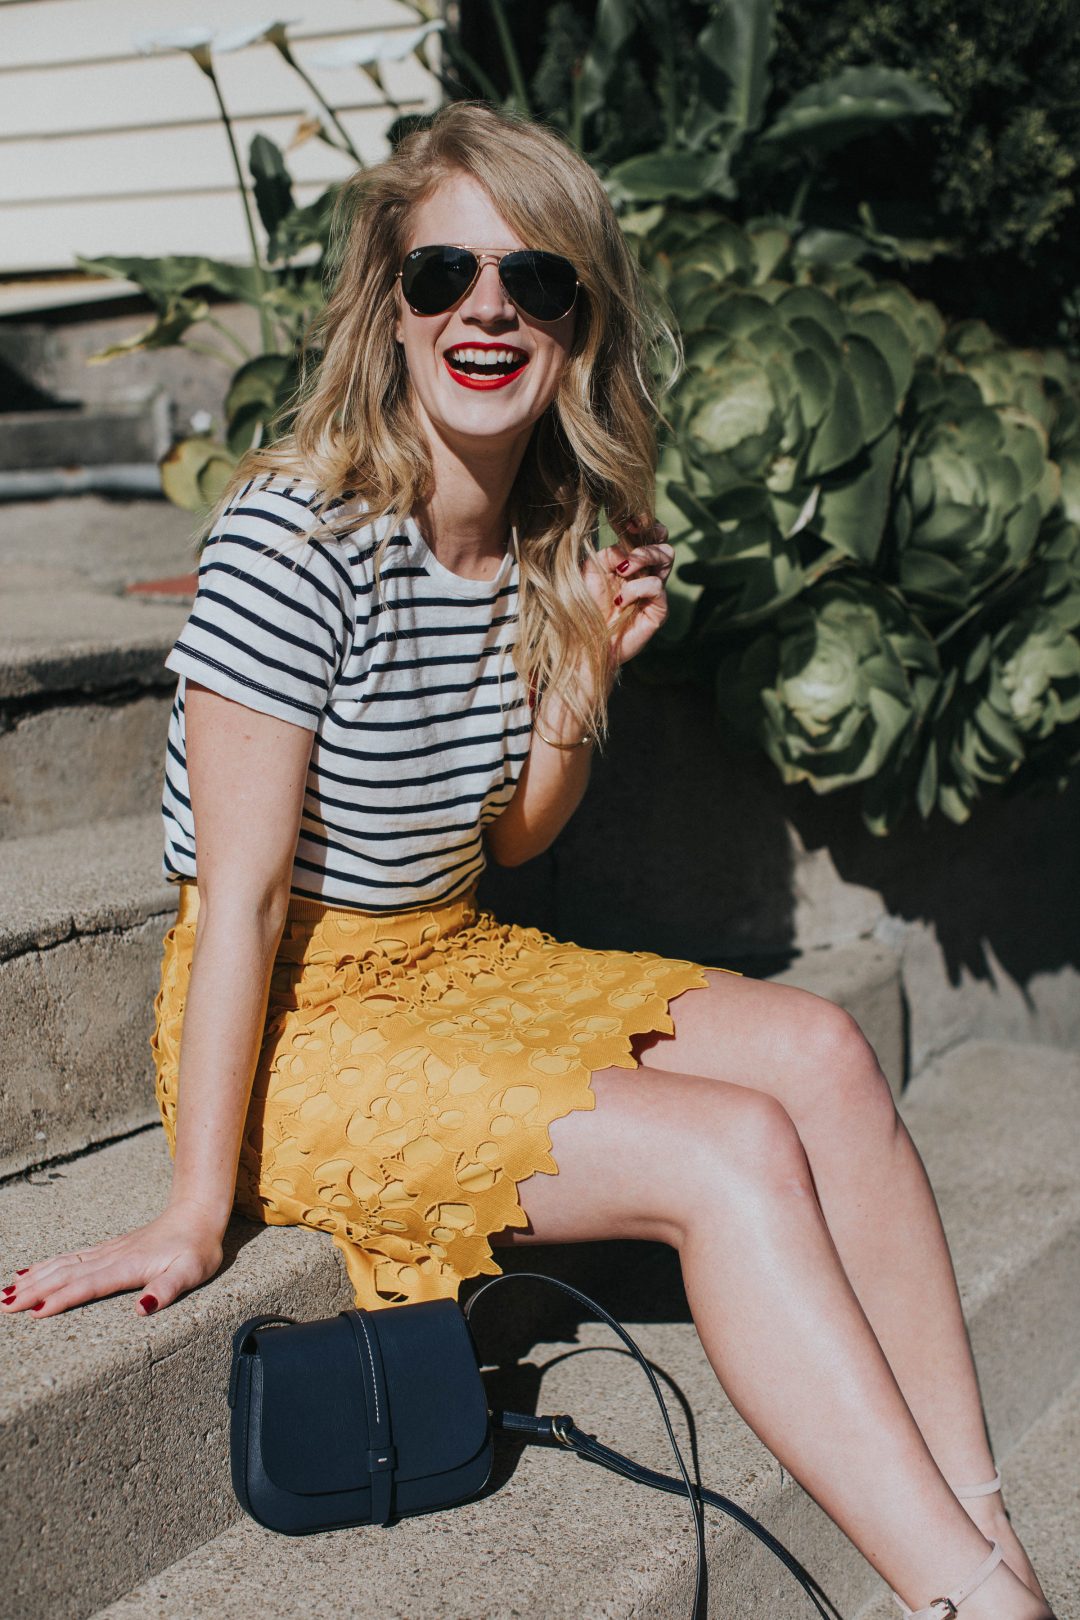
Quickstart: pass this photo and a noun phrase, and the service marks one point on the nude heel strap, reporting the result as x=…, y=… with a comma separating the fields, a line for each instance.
x=944, y=1608
x=992, y=1485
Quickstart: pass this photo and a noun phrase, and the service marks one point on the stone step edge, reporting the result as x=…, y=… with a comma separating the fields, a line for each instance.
x=32, y=680
x=102, y=877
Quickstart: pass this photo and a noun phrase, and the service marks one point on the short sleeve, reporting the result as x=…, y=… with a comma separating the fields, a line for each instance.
x=272, y=619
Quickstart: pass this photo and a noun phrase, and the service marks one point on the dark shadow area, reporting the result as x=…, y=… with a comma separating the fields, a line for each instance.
x=634, y=1281
x=683, y=845
x=1008, y=880
x=680, y=845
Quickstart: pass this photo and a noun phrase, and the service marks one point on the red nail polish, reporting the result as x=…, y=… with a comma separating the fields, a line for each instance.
x=621, y=568
x=148, y=1303
x=618, y=601
x=10, y=1288
x=22, y=1272
x=40, y=1306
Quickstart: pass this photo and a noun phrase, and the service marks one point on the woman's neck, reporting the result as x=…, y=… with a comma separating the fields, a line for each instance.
x=465, y=522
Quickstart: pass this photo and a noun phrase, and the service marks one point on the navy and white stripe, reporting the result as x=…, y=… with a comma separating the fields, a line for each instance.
x=421, y=721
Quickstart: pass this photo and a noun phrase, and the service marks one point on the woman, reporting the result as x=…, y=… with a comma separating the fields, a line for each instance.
x=384, y=596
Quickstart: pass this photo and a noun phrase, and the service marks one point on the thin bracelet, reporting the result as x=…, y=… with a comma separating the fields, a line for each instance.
x=581, y=743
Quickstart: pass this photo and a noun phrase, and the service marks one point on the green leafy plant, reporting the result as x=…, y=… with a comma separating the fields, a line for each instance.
x=877, y=552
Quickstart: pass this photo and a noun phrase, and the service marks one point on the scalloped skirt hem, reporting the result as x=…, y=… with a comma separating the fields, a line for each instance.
x=410, y=1067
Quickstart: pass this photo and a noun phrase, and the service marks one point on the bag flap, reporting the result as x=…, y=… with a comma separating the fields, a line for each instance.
x=314, y=1430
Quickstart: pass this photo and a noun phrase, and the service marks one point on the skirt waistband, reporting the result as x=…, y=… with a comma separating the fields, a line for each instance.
x=307, y=917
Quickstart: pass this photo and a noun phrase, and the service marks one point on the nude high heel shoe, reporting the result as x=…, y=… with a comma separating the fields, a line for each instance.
x=944, y=1608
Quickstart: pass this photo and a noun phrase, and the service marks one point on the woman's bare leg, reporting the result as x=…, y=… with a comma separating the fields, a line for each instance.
x=718, y=1171
x=878, y=1204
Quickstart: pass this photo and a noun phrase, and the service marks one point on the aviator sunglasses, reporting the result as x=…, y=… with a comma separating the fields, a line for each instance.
x=541, y=285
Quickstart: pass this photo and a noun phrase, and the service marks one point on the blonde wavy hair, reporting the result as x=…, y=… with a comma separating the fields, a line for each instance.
x=353, y=432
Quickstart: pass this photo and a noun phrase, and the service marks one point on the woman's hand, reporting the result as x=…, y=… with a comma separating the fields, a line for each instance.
x=171, y=1254
x=628, y=586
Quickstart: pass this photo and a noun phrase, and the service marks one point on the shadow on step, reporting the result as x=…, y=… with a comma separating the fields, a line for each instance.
x=635, y=1282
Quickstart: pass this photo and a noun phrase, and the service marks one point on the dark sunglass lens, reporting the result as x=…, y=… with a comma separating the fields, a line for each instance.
x=544, y=285
x=434, y=278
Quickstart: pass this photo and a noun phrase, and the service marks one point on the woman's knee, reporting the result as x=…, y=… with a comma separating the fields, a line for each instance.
x=839, y=1075
x=748, y=1147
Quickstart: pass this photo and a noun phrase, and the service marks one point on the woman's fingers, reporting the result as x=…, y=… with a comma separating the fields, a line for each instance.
x=162, y=1260
x=657, y=558
x=647, y=589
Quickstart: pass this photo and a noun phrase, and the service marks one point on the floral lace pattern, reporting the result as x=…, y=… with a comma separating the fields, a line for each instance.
x=410, y=1067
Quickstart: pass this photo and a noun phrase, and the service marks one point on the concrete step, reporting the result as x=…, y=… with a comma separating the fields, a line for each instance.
x=84, y=695
x=80, y=951
x=1042, y=1489
x=144, y=1482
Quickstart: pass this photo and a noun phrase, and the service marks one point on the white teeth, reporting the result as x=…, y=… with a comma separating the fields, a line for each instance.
x=485, y=357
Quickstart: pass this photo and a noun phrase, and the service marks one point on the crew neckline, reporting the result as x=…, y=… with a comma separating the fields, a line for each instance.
x=460, y=582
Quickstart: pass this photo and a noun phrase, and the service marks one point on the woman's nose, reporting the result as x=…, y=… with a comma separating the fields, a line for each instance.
x=487, y=300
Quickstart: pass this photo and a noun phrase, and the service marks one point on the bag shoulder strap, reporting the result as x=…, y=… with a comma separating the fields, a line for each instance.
x=382, y=1454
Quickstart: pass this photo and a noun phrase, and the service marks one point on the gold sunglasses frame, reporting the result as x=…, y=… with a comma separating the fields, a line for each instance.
x=489, y=256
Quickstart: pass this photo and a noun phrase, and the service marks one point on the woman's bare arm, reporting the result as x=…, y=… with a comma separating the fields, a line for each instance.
x=246, y=772
x=629, y=588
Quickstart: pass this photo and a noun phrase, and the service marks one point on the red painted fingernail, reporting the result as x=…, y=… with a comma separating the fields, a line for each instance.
x=22, y=1272
x=10, y=1288
x=149, y=1303
x=40, y=1306
x=623, y=566
x=618, y=601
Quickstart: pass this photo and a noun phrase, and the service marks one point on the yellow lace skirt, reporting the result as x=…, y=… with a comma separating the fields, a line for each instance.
x=410, y=1067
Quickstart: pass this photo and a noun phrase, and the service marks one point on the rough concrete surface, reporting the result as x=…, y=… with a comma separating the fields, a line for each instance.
x=66, y=641
x=997, y=1126
x=75, y=1024
x=114, y=1424
x=78, y=761
x=88, y=540
x=98, y=877
x=560, y=1539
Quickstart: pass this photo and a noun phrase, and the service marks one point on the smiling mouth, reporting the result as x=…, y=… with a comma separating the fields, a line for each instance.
x=485, y=363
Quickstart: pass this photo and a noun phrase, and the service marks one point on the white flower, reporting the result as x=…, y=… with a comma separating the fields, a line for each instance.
x=375, y=49
x=195, y=40
x=264, y=33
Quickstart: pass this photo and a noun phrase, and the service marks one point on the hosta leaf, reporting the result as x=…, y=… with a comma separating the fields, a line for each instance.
x=853, y=102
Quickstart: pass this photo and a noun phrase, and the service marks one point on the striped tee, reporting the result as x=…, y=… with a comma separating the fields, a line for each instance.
x=421, y=721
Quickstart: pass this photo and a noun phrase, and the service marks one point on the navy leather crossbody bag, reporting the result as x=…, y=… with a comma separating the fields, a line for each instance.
x=370, y=1416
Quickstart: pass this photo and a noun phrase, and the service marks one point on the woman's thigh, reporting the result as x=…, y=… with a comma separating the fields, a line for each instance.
x=803, y=1050
x=658, y=1152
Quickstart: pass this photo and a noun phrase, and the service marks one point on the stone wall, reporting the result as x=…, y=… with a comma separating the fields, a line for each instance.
x=687, y=845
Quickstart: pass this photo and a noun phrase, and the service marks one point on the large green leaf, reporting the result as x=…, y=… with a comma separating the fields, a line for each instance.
x=165, y=279
x=739, y=39
x=273, y=187
x=255, y=396
x=615, y=23
x=655, y=175
x=853, y=102
x=194, y=473
x=851, y=516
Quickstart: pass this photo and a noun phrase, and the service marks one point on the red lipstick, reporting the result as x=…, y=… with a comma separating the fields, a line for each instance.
x=484, y=382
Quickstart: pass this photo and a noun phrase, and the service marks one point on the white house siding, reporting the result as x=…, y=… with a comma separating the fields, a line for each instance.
x=105, y=150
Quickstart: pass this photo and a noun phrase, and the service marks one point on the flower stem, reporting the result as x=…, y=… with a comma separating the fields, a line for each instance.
x=306, y=79
x=265, y=327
